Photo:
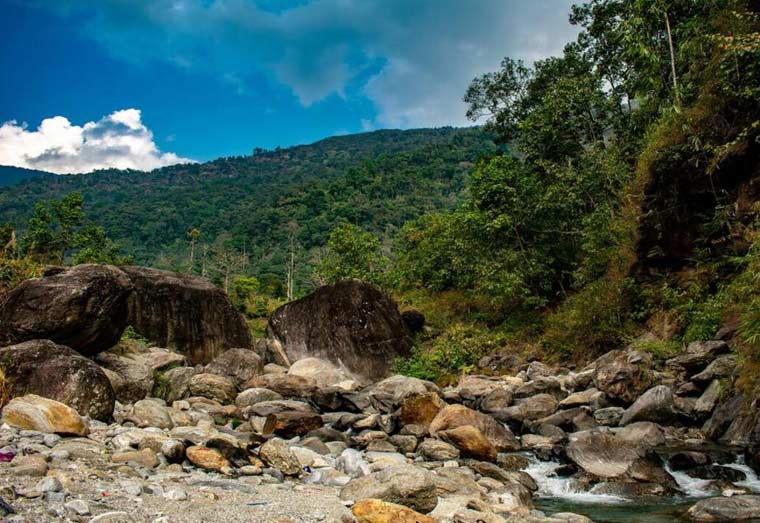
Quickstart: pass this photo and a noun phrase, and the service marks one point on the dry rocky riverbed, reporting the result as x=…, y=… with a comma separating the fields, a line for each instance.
x=239, y=441
x=133, y=433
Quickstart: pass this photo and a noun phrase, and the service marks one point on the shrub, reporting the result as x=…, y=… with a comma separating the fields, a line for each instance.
x=457, y=351
x=590, y=322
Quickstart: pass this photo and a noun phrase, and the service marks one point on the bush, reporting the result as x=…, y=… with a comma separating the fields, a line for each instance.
x=457, y=351
x=590, y=322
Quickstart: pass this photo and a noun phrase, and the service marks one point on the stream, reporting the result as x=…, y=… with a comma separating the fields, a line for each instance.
x=556, y=494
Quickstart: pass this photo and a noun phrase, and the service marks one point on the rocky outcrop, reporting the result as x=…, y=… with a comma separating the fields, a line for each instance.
x=350, y=323
x=53, y=371
x=185, y=313
x=82, y=307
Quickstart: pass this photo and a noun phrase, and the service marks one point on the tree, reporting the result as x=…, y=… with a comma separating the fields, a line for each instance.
x=291, y=272
x=226, y=262
x=95, y=247
x=193, y=235
x=352, y=253
x=52, y=228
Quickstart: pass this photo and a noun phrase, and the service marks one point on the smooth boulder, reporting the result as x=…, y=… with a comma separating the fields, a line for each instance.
x=59, y=373
x=406, y=485
x=82, y=307
x=454, y=416
x=349, y=323
x=32, y=412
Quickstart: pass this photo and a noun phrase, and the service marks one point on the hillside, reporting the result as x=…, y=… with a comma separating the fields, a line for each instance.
x=10, y=176
x=377, y=180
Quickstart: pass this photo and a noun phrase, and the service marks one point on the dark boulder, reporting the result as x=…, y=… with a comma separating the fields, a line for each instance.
x=185, y=313
x=82, y=307
x=414, y=320
x=349, y=323
x=59, y=373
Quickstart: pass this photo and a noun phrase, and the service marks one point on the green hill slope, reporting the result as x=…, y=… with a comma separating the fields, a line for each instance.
x=377, y=180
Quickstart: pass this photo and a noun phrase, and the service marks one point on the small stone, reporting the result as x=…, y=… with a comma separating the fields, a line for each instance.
x=48, y=484
x=176, y=495
x=133, y=489
x=146, y=458
x=78, y=506
x=206, y=458
x=29, y=466
x=113, y=517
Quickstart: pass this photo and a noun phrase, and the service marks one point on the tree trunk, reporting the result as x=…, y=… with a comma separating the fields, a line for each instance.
x=672, y=57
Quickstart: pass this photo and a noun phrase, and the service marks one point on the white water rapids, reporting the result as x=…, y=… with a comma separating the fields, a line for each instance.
x=552, y=486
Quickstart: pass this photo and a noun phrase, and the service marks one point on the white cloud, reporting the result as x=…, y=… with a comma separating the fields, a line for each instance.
x=413, y=60
x=119, y=140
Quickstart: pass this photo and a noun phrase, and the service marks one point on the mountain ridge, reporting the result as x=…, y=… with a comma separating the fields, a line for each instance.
x=377, y=180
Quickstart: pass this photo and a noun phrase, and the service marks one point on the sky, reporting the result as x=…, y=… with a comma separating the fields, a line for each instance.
x=147, y=83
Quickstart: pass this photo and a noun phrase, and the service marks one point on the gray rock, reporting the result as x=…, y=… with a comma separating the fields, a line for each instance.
x=437, y=450
x=214, y=387
x=113, y=517
x=656, y=404
x=78, y=506
x=609, y=416
x=709, y=398
x=406, y=485
x=735, y=508
x=349, y=323
x=623, y=375
x=238, y=365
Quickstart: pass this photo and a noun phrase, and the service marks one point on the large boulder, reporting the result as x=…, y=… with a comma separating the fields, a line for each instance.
x=454, y=416
x=623, y=375
x=32, y=412
x=602, y=453
x=185, y=313
x=413, y=487
x=735, y=508
x=350, y=323
x=83, y=307
x=131, y=376
x=239, y=365
x=656, y=404
x=53, y=371
x=698, y=355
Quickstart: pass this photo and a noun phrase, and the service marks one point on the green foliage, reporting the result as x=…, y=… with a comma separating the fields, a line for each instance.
x=455, y=352
x=352, y=253
x=95, y=247
x=660, y=349
x=589, y=322
x=52, y=227
x=130, y=334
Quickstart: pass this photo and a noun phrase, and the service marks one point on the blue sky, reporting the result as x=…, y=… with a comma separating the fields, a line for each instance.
x=209, y=78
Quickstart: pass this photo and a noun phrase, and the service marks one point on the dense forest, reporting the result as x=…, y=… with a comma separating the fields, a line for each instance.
x=249, y=211
x=619, y=206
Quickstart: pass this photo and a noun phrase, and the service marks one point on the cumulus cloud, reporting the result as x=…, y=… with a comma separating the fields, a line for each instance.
x=119, y=140
x=413, y=60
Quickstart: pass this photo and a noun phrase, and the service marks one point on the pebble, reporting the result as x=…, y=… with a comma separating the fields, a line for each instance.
x=176, y=495
x=78, y=506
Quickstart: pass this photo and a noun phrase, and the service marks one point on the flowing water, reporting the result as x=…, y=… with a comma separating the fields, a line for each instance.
x=557, y=494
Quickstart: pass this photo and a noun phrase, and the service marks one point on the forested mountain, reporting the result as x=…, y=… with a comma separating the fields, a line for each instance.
x=12, y=175
x=249, y=204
